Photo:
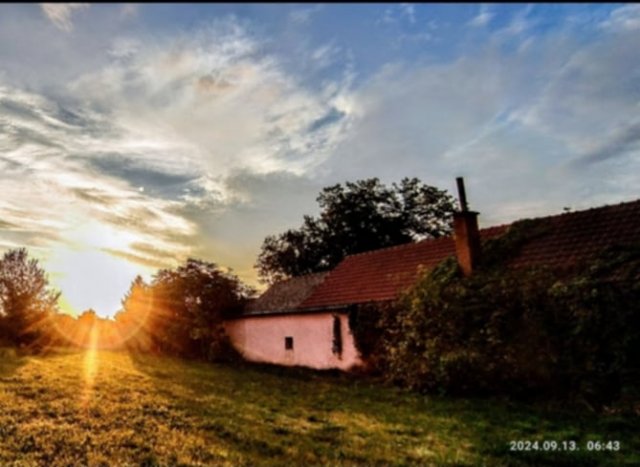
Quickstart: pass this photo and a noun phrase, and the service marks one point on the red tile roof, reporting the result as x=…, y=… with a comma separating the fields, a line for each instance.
x=381, y=274
x=571, y=238
x=565, y=240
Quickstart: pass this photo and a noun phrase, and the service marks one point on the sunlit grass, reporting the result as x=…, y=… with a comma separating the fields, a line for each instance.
x=151, y=410
x=90, y=364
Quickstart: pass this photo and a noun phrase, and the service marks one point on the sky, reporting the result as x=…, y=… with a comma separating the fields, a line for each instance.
x=134, y=136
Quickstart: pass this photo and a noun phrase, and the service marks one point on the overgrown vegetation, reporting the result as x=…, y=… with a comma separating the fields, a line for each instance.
x=117, y=408
x=525, y=331
x=367, y=323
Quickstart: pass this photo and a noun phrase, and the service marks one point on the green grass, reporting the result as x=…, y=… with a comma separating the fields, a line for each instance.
x=144, y=410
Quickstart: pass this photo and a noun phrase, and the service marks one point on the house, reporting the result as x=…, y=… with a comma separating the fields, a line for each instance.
x=304, y=320
x=276, y=328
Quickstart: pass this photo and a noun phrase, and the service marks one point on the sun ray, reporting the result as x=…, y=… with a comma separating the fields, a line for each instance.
x=90, y=366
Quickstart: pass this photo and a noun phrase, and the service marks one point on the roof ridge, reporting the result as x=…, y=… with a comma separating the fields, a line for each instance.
x=424, y=240
x=310, y=274
x=485, y=229
x=572, y=213
x=401, y=245
x=496, y=227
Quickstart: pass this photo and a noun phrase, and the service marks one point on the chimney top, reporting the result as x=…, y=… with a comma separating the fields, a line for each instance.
x=462, y=195
x=466, y=233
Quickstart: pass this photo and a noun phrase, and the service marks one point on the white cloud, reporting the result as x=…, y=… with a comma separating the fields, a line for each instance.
x=325, y=55
x=123, y=47
x=129, y=10
x=395, y=14
x=483, y=18
x=512, y=121
x=303, y=15
x=52, y=147
x=179, y=117
x=590, y=94
x=60, y=13
x=387, y=17
x=408, y=11
x=626, y=18
x=218, y=103
x=520, y=23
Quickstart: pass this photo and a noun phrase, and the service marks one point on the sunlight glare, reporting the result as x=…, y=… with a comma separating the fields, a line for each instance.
x=90, y=365
x=91, y=278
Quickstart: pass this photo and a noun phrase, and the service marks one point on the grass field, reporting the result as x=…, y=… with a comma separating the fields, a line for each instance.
x=111, y=408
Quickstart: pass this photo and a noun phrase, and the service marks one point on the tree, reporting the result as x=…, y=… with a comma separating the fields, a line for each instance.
x=25, y=298
x=88, y=318
x=63, y=330
x=188, y=307
x=359, y=216
x=134, y=320
x=87, y=329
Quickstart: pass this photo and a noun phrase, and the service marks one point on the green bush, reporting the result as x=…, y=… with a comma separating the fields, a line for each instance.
x=519, y=331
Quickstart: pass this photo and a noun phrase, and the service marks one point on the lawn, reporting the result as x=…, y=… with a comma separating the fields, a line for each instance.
x=112, y=408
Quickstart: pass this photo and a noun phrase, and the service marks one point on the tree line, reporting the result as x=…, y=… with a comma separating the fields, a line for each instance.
x=179, y=312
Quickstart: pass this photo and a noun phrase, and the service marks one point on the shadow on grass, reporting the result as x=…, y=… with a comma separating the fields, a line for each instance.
x=307, y=416
x=10, y=361
x=259, y=411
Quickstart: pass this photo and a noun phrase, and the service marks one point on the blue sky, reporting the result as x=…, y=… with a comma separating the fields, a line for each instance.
x=134, y=136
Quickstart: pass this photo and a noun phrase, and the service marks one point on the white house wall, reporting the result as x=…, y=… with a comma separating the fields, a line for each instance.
x=262, y=339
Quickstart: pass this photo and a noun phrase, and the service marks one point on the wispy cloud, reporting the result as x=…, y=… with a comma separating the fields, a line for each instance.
x=508, y=118
x=521, y=22
x=408, y=11
x=402, y=12
x=625, y=18
x=303, y=15
x=484, y=16
x=129, y=10
x=143, y=149
x=621, y=141
x=217, y=108
x=60, y=13
x=54, y=148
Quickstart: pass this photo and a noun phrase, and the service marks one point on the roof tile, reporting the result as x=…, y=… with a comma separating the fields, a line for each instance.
x=286, y=295
x=381, y=274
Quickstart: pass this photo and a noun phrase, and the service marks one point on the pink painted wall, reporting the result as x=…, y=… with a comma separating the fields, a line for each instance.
x=262, y=339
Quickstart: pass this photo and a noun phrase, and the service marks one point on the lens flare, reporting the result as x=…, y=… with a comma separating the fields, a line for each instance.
x=90, y=365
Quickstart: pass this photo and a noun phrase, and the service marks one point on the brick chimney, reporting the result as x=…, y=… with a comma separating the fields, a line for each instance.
x=465, y=230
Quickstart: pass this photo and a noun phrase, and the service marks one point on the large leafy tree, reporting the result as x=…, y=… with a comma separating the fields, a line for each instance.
x=26, y=301
x=355, y=217
x=182, y=310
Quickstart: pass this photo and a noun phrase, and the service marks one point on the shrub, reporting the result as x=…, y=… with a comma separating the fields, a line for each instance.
x=519, y=331
x=367, y=323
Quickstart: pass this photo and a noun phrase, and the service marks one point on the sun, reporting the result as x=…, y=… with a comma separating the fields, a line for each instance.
x=89, y=276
